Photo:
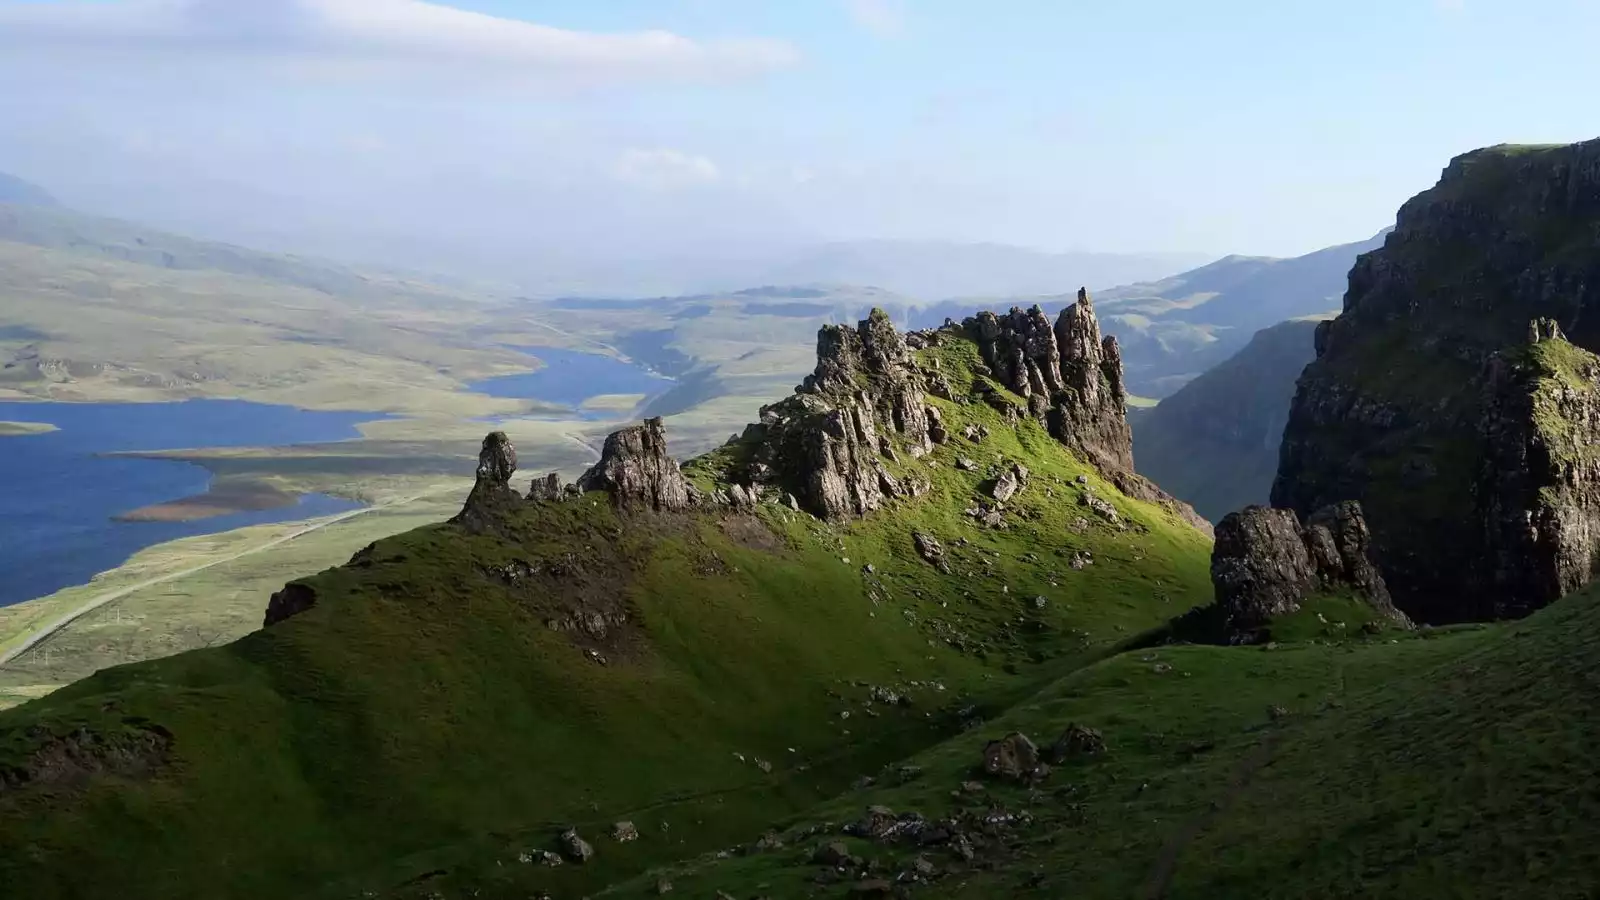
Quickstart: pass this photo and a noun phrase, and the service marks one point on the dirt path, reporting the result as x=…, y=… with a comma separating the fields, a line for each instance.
x=101, y=600
x=1166, y=866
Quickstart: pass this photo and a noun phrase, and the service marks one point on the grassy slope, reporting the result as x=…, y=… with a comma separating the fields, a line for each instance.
x=1451, y=763
x=205, y=609
x=423, y=717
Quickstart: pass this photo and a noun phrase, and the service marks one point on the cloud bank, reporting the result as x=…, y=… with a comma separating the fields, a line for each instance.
x=377, y=37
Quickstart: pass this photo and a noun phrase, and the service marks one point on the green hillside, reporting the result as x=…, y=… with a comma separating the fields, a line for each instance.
x=425, y=717
x=1452, y=763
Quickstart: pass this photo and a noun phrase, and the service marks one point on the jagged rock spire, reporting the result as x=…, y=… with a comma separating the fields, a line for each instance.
x=636, y=471
x=1070, y=375
x=491, y=492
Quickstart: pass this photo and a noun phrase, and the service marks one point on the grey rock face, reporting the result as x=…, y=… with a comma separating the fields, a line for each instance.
x=636, y=471
x=863, y=403
x=547, y=489
x=1264, y=564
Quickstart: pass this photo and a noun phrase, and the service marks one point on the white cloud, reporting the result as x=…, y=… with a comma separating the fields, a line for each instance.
x=884, y=18
x=665, y=169
x=365, y=36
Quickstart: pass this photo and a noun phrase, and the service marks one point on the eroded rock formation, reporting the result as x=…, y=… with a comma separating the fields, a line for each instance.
x=492, y=493
x=636, y=471
x=1425, y=405
x=1265, y=564
x=863, y=404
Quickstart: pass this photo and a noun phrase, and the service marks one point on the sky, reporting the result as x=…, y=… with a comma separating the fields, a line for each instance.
x=623, y=128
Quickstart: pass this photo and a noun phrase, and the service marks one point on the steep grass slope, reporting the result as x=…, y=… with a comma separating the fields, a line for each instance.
x=1450, y=763
x=450, y=703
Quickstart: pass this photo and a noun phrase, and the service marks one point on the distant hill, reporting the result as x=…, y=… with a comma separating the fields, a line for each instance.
x=1173, y=329
x=1214, y=443
x=936, y=270
x=23, y=193
x=59, y=228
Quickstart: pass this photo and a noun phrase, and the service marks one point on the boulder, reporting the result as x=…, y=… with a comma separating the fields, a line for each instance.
x=1013, y=758
x=1264, y=564
x=574, y=847
x=1077, y=741
x=931, y=551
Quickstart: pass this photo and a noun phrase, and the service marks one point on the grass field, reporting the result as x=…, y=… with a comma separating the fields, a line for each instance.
x=17, y=429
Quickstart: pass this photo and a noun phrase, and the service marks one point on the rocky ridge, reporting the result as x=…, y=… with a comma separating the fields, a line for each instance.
x=1428, y=404
x=833, y=447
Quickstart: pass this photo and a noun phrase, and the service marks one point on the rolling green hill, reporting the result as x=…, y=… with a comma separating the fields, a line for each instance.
x=458, y=696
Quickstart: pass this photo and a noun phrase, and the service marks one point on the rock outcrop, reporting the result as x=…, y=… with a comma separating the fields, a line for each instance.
x=1425, y=404
x=1265, y=564
x=1538, y=491
x=492, y=493
x=1070, y=378
x=863, y=404
x=636, y=471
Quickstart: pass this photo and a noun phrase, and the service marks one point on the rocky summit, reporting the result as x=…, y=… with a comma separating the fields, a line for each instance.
x=1455, y=396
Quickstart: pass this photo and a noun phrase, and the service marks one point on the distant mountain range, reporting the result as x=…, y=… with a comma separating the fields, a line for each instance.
x=23, y=193
x=1173, y=329
x=936, y=270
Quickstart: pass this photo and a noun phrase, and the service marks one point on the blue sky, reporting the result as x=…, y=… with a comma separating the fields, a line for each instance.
x=1167, y=125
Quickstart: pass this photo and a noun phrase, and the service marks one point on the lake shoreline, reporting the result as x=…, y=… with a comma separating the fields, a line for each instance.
x=221, y=498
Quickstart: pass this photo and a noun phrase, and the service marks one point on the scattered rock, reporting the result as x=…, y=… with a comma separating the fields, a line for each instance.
x=931, y=551
x=1005, y=487
x=1077, y=741
x=834, y=853
x=575, y=848
x=624, y=832
x=1014, y=758
x=966, y=464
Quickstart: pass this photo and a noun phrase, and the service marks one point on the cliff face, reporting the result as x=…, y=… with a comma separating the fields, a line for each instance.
x=1215, y=442
x=1427, y=403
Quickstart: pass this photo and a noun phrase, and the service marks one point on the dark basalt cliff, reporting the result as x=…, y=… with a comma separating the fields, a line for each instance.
x=1461, y=428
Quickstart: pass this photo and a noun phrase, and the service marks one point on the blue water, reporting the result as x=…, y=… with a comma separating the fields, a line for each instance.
x=570, y=377
x=57, y=498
